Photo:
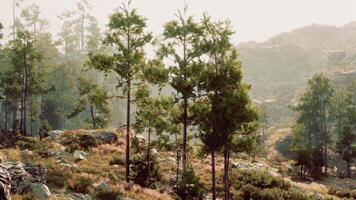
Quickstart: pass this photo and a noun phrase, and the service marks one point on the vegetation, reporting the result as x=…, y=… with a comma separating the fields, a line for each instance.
x=180, y=124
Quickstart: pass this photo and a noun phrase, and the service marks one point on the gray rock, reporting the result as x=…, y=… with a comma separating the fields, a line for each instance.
x=80, y=155
x=5, y=184
x=102, y=186
x=40, y=191
x=79, y=196
x=55, y=134
x=155, y=152
x=22, y=175
x=105, y=137
x=167, y=159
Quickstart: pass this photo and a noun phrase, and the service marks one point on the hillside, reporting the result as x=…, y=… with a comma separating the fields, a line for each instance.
x=281, y=66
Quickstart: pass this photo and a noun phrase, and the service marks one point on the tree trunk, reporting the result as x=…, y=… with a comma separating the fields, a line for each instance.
x=226, y=174
x=92, y=114
x=213, y=186
x=127, y=160
x=25, y=98
x=185, y=126
x=178, y=158
x=348, y=169
x=148, y=152
x=6, y=113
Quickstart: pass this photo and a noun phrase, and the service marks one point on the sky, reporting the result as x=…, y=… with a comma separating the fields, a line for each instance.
x=253, y=20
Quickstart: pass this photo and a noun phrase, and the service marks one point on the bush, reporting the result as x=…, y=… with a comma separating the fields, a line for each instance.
x=108, y=195
x=81, y=183
x=117, y=160
x=145, y=171
x=259, y=179
x=189, y=186
x=58, y=177
x=251, y=192
x=343, y=193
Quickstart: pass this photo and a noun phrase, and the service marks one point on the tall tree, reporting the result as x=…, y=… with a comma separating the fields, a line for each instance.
x=224, y=108
x=180, y=39
x=315, y=109
x=24, y=60
x=127, y=36
x=346, y=126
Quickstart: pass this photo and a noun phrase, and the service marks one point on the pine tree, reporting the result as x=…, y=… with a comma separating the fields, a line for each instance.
x=127, y=36
x=224, y=108
x=180, y=39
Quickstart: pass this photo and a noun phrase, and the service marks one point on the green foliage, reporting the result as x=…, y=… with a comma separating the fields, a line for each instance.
x=94, y=98
x=145, y=170
x=260, y=179
x=189, y=186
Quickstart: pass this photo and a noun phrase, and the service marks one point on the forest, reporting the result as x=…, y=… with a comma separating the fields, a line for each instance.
x=125, y=113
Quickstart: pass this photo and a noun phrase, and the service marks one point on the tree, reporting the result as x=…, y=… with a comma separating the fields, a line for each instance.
x=180, y=39
x=24, y=60
x=1, y=27
x=95, y=99
x=346, y=142
x=127, y=36
x=315, y=110
x=224, y=108
x=300, y=147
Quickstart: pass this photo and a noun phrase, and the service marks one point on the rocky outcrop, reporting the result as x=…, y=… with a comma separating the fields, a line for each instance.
x=22, y=175
x=103, y=136
x=5, y=184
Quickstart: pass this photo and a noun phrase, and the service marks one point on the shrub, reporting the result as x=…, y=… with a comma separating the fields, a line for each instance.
x=117, y=160
x=189, y=186
x=249, y=191
x=145, y=170
x=58, y=177
x=108, y=195
x=81, y=183
x=343, y=193
x=260, y=179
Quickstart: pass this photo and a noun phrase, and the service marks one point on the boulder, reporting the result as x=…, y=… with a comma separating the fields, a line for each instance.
x=40, y=191
x=155, y=152
x=79, y=196
x=168, y=159
x=22, y=175
x=105, y=137
x=54, y=134
x=5, y=184
x=101, y=186
x=79, y=155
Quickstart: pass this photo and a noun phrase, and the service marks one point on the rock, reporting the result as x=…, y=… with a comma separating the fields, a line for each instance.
x=105, y=137
x=5, y=184
x=40, y=191
x=237, y=165
x=168, y=159
x=27, y=152
x=101, y=186
x=155, y=152
x=79, y=196
x=23, y=175
x=79, y=155
x=54, y=134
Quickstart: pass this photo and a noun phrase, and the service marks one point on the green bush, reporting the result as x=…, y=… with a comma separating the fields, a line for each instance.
x=144, y=170
x=259, y=179
x=189, y=186
x=250, y=192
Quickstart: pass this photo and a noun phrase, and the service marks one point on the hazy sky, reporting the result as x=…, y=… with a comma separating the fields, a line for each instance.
x=252, y=19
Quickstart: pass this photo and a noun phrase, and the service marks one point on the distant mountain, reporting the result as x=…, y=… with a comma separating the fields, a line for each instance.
x=279, y=68
x=284, y=63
